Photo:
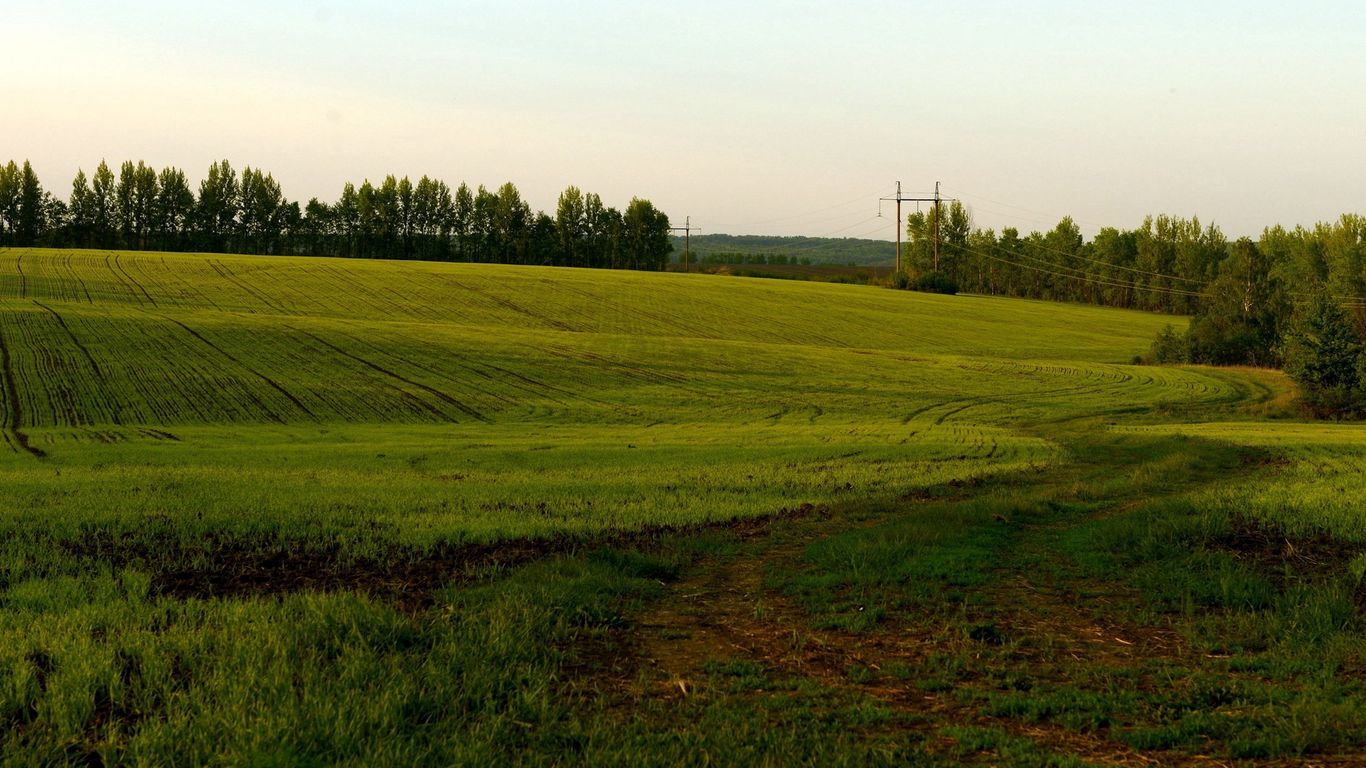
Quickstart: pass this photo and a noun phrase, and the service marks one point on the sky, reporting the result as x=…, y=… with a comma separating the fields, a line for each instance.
x=787, y=118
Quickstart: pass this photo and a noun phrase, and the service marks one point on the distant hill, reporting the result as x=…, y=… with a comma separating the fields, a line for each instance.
x=740, y=249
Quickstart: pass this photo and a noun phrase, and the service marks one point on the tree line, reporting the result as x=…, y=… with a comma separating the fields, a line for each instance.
x=142, y=208
x=842, y=251
x=1293, y=298
x=736, y=257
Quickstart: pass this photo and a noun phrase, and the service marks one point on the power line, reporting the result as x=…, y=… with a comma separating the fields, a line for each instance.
x=851, y=226
x=1080, y=274
x=1087, y=278
x=862, y=235
x=687, y=230
x=899, y=200
x=1027, y=210
x=1109, y=265
x=1103, y=263
x=1135, y=270
x=1354, y=302
x=808, y=214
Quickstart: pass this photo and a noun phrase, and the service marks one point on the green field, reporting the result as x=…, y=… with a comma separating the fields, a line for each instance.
x=439, y=402
x=278, y=510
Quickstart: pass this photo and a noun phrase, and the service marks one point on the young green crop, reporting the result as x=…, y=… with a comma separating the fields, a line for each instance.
x=1317, y=489
x=317, y=398
x=163, y=414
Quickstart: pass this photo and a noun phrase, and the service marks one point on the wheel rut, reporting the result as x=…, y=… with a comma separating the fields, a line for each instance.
x=1025, y=620
x=14, y=417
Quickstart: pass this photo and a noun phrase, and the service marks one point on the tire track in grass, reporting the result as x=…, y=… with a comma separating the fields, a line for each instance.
x=624, y=368
x=14, y=414
x=285, y=285
x=508, y=378
x=442, y=396
x=189, y=295
x=514, y=307
x=76, y=275
x=184, y=378
x=109, y=265
x=511, y=306
x=158, y=434
x=95, y=366
x=226, y=273
x=399, y=305
x=490, y=393
x=56, y=384
x=269, y=381
x=360, y=294
x=119, y=266
x=19, y=270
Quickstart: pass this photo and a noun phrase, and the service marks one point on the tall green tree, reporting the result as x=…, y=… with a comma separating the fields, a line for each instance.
x=172, y=209
x=1323, y=354
x=1344, y=249
x=135, y=198
x=1117, y=250
x=602, y=232
x=954, y=227
x=33, y=207
x=462, y=223
x=9, y=202
x=645, y=236
x=318, y=229
x=346, y=220
x=511, y=225
x=262, y=206
x=81, y=212
x=1156, y=245
x=216, y=209
x=571, y=229
x=104, y=207
x=1239, y=321
x=24, y=206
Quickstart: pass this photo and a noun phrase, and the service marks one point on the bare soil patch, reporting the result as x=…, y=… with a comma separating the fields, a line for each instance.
x=222, y=565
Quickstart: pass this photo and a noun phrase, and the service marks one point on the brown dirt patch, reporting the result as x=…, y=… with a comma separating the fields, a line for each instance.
x=1286, y=557
x=724, y=612
x=222, y=565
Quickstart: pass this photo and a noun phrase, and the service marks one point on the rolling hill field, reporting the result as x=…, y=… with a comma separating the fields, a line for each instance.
x=470, y=402
x=279, y=510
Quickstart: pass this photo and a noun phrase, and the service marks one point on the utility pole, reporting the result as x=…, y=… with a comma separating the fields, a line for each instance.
x=936, y=227
x=899, y=223
x=686, y=229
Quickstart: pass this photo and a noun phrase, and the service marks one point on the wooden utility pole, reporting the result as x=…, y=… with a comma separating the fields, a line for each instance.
x=899, y=223
x=686, y=229
x=936, y=227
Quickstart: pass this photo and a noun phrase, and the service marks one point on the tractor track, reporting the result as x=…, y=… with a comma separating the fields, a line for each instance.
x=14, y=414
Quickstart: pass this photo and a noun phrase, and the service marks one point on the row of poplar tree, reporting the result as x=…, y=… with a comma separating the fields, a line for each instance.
x=141, y=208
x=1292, y=298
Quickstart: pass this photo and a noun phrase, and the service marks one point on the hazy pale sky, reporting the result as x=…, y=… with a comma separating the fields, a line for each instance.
x=753, y=118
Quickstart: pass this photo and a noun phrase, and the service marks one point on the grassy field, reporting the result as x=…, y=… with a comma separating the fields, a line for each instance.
x=286, y=510
x=436, y=402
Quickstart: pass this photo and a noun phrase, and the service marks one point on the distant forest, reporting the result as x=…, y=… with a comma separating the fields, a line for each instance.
x=141, y=208
x=764, y=249
x=1293, y=298
x=1167, y=264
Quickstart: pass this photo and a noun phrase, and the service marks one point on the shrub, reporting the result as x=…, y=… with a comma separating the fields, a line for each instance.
x=1170, y=346
x=935, y=282
x=1324, y=355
